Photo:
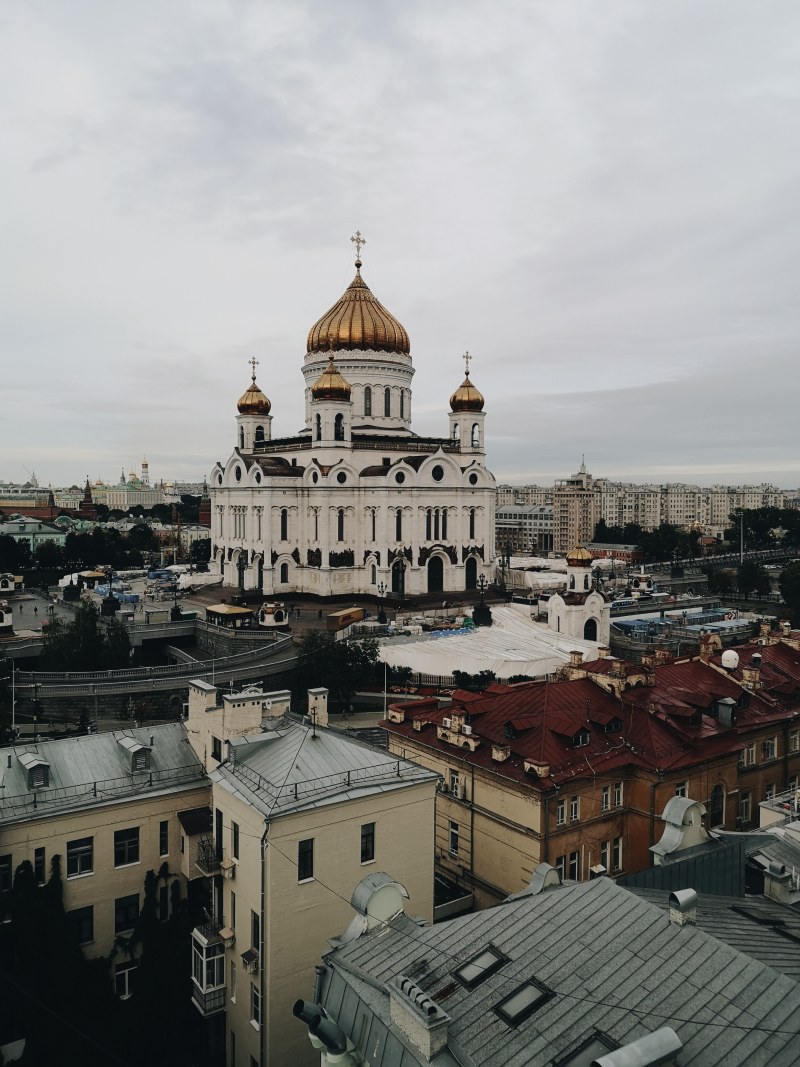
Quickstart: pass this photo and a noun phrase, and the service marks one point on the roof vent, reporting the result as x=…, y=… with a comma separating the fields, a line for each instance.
x=730, y=659
x=418, y=1016
x=683, y=907
x=659, y=1049
x=756, y=658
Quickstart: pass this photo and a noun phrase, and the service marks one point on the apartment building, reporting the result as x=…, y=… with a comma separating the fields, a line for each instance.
x=110, y=805
x=574, y=772
x=524, y=529
x=300, y=814
x=575, y=512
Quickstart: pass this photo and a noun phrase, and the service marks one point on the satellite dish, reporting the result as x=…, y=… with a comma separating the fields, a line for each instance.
x=730, y=659
x=268, y=704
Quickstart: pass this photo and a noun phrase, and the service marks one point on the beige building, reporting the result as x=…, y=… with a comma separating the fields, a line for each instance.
x=109, y=805
x=301, y=814
x=575, y=511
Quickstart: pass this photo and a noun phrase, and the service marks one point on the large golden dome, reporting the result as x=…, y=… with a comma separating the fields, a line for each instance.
x=580, y=557
x=358, y=321
x=253, y=402
x=331, y=385
x=466, y=397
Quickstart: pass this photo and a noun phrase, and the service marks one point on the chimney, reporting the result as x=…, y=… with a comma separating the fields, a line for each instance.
x=603, y=651
x=648, y=660
x=418, y=1017
x=751, y=674
x=706, y=648
x=575, y=658
x=726, y=711
x=318, y=706
x=777, y=883
x=683, y=907
x=618, y=669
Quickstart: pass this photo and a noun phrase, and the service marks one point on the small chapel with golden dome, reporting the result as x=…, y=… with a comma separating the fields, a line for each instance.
x=356, y=502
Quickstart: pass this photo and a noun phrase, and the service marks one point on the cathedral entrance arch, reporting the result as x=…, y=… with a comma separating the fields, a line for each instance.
x=590, y=630
x=399, y=578
x=435, y=574
x=471, y=573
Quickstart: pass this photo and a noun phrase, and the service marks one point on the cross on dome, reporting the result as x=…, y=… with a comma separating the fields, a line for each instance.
x=253, y=363
x=358, y=241
x=467, y=360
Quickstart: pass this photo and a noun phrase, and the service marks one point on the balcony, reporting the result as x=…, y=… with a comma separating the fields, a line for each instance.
x=208, y=1001
x=208, y=858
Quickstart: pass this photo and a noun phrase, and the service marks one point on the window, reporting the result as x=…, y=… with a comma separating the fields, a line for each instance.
x=561, y=867
x=794, y=741
x=232, y=922
x=605, y=855
x=616, y=854
x=338, y=427
x=744, y=806
x=284, y=524
x=747, y=757
x=39, y=865
x=523, y=1002
x=455, y=784
x=126, y=912
x=255, y=929
x=233, y=1044
x=561, y=812
x=587, y=1052
x=368, y=400
x=574, y=867
x=480, y=967
x=340, y=524
x=681, y=789
x=124, y=978
x=402, y=403
x=575, y=809
x=618, y=794
x=444, y=524
x=80, y=857
x=141, y=760
x=453, y=835
x=367, y=842
x=6, y=873
x=476, y=435
x=232, y=982
x=255, y=1005
x=82, y=920
x=769, y=791
x=284, y=573
x=387, y=401
x=305, y=860
x=398, y=525
x=428, y=523
x=208, y=964
x=318, y=427
x=216, y=749
x=39, y=776
x=126, y=846
x=605, y=802
x=472, y=524
x=163, y=838
x=235, y=840
x=581, y=738
x=769, y=748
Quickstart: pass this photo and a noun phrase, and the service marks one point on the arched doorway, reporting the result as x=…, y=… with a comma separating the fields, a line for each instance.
x=399, y=578
x=435, y=574
x=471, y=573
x=241, y=567
x=716, y=806
x=260, y=578
x=590, y=630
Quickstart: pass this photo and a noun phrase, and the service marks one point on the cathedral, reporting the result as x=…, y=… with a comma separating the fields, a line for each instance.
x=355, y=502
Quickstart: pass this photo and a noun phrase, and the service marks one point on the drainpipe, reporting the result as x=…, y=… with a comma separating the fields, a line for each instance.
x=471, y=825
x=653, y=787
x=262, y=931
x=546, y=835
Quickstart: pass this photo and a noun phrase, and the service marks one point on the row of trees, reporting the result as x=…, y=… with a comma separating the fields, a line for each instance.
x=99, y=547
x=83, y=644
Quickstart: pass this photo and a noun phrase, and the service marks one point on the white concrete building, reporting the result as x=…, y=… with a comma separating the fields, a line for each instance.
x=356, y=498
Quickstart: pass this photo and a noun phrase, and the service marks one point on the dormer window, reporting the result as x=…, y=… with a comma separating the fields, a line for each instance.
x=139, y=753
x=614, y=726
x=37, y=768
x=141, y=760
x=581, y=738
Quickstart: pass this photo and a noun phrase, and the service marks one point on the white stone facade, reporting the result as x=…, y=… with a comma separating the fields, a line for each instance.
x=356, y=499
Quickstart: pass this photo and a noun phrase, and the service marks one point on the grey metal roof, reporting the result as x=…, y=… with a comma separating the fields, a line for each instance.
x=614, y=963
x=96, y=769
x=718, y=868
x=747, y=925
x=292, y=767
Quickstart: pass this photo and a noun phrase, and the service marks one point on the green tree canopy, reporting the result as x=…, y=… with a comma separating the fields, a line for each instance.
x=340, y=666
x=789, y=583
x=84, y=644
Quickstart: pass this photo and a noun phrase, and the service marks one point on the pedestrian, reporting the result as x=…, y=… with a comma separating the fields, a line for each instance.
x=21, y=608
x=35, y=610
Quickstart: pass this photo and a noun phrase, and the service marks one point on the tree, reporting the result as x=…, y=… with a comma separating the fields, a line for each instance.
x=341, y=666
x=789, y=584
x=753, y=577
x=84, y=644
x=200, y=551
x=15, y=556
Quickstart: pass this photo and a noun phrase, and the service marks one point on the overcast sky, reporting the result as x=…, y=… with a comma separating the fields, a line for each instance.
x=598, y=200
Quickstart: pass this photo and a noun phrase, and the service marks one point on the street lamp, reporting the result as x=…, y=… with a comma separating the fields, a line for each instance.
x=382, y=610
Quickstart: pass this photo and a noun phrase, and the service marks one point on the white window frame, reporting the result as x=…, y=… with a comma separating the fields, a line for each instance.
x=605, y=802
x=616, y=853
x=255, y=1006
x=454, y=838
x=561, y=813
x=574, y=809
x=618, y=794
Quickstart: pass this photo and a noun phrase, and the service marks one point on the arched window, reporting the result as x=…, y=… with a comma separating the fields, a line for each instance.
x=284, y=525
x=398, y=525
x=368, y=400
x=373, y=524
x=338, y=428
x=259, y=433
x=444, y=524
x=387, y=401
x=456, y=433
x=402, y=403
x=572, y=581
x=318, y=421
x=374, y=575
x=316, y=524
x=586, y=581
x=340, y=525
x=428, y=516
x=241, y=437
x=476, y=435
x=436, y=524
x=472, y=523
x=284, y=572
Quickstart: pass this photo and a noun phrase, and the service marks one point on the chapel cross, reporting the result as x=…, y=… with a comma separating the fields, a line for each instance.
x=253, y=363
x=467, y=360
x=358, y=241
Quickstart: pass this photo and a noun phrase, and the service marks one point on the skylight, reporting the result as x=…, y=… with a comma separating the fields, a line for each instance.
x=523, y=1002
x=480, y=967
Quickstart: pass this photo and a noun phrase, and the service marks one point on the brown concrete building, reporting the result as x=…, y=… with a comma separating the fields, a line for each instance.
x=576, y=772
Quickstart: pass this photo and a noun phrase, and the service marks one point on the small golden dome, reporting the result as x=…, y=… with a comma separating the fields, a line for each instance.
x=331, y=385
x=358, y=321
x=466, y=397
x=253, y=402
x=580, y=557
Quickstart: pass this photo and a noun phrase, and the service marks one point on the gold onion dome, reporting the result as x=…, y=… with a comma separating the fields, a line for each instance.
x=331, y=385
x=358, y=321
x=580, y=557
x=467, y=397
x=253, y=402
